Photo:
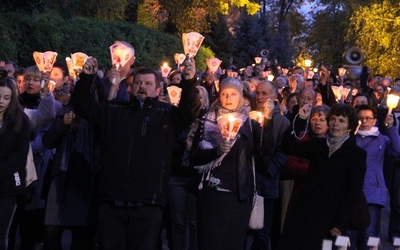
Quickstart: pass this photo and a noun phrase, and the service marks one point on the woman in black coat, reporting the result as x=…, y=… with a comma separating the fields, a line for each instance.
x=226, y=190
x=14, y=145
x=333, y=190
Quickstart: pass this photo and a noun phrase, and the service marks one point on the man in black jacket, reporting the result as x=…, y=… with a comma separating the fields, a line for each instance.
x=137, y=137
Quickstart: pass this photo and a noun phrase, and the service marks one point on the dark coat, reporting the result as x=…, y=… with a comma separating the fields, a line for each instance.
x=13, y=154
x=136, y=141
x=271, y=159
x=242, y=162
x=331, y=195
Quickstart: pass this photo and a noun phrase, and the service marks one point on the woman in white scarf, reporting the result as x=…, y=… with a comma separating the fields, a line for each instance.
x=377, y=147
x=226, y=189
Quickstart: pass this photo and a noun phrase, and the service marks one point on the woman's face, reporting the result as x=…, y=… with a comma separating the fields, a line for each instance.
x=380, y=89
x=176, y=79
x=57, y=76
x=290, y=103
x=32, y=84
x=319, y=125
x=338, y=125
x=360, y=100
x=229, y=98
x=5, y=99
x=367, y=120
x=201, y=97
x=20, y=83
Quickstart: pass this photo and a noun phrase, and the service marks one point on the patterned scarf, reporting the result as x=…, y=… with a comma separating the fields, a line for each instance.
x=60, y=91
x=334, y=143
x=212, y=136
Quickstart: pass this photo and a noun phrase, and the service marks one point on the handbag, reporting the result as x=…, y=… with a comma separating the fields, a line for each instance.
x=361, y=218
x=257, y=212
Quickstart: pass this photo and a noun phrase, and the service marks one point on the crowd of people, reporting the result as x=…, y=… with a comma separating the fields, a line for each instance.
x=115, y=162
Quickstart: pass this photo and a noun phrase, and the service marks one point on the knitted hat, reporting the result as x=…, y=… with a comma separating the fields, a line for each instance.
x=231, y=82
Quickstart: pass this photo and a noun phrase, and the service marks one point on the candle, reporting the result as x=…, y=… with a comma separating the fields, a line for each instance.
x=392, y=101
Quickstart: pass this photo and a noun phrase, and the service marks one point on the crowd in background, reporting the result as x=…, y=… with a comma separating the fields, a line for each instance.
x=116, y=162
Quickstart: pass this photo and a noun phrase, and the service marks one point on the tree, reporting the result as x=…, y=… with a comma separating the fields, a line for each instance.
x=375, y=28
x=325, y=38
x=196, y=15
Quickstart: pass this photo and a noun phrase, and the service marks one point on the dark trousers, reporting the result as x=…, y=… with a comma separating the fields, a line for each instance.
x=262, y=237
x=31, y=228
x=393, y=185
x=80, y=238
x=126, y=228
x=183, y=213
x=7, y=209
x=359, y=239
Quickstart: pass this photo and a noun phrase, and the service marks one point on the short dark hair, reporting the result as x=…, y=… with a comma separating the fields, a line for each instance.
x=146, y=71
x=63, y=67
x=344, y=110
x=367, y=107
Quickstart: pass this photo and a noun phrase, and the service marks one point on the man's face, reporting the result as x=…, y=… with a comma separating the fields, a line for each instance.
x=10, y=70
x=307, y=97
x=146, y=86
x=264, y=91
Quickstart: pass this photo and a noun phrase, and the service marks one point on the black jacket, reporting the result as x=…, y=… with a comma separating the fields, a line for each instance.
x=136, y=141
x=13, y=154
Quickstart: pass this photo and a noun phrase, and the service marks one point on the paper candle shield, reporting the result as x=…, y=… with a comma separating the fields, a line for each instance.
x=174, y=94
x=229, y=126
x=258, y=116
x=179, y=58
x=70, y=65
x=165, y=69
x=45, y=61
x=258, y=59
x=120, y=54
x=79, y=60
x=213, y=64
x=340, y=92
x=191, y=43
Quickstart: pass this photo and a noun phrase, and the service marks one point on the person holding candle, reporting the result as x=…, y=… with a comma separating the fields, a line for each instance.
x=137, y=137
x=268, y=167
x=377, y=147
x=226, y=188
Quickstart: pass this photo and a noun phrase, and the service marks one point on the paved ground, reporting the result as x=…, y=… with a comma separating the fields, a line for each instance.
x=385, y=244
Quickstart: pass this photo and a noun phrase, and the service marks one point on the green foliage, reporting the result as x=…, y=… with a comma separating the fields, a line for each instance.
x=375, y=28
x=202, y=55
x=24, y=34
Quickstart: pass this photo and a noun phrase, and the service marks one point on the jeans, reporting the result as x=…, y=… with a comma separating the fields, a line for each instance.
x=262, y=237
x=123, y=228
x=359, y=239
x=394, y=192
x=8, y=204
x=183, y=213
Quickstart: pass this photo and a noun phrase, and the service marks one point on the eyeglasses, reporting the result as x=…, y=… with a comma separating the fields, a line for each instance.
x=367, y=119
x=29, y=78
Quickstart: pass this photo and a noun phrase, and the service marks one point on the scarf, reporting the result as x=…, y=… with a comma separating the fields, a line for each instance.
x=61, y=91
x=212, y=136
x=373, y=132
x=334, y=143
